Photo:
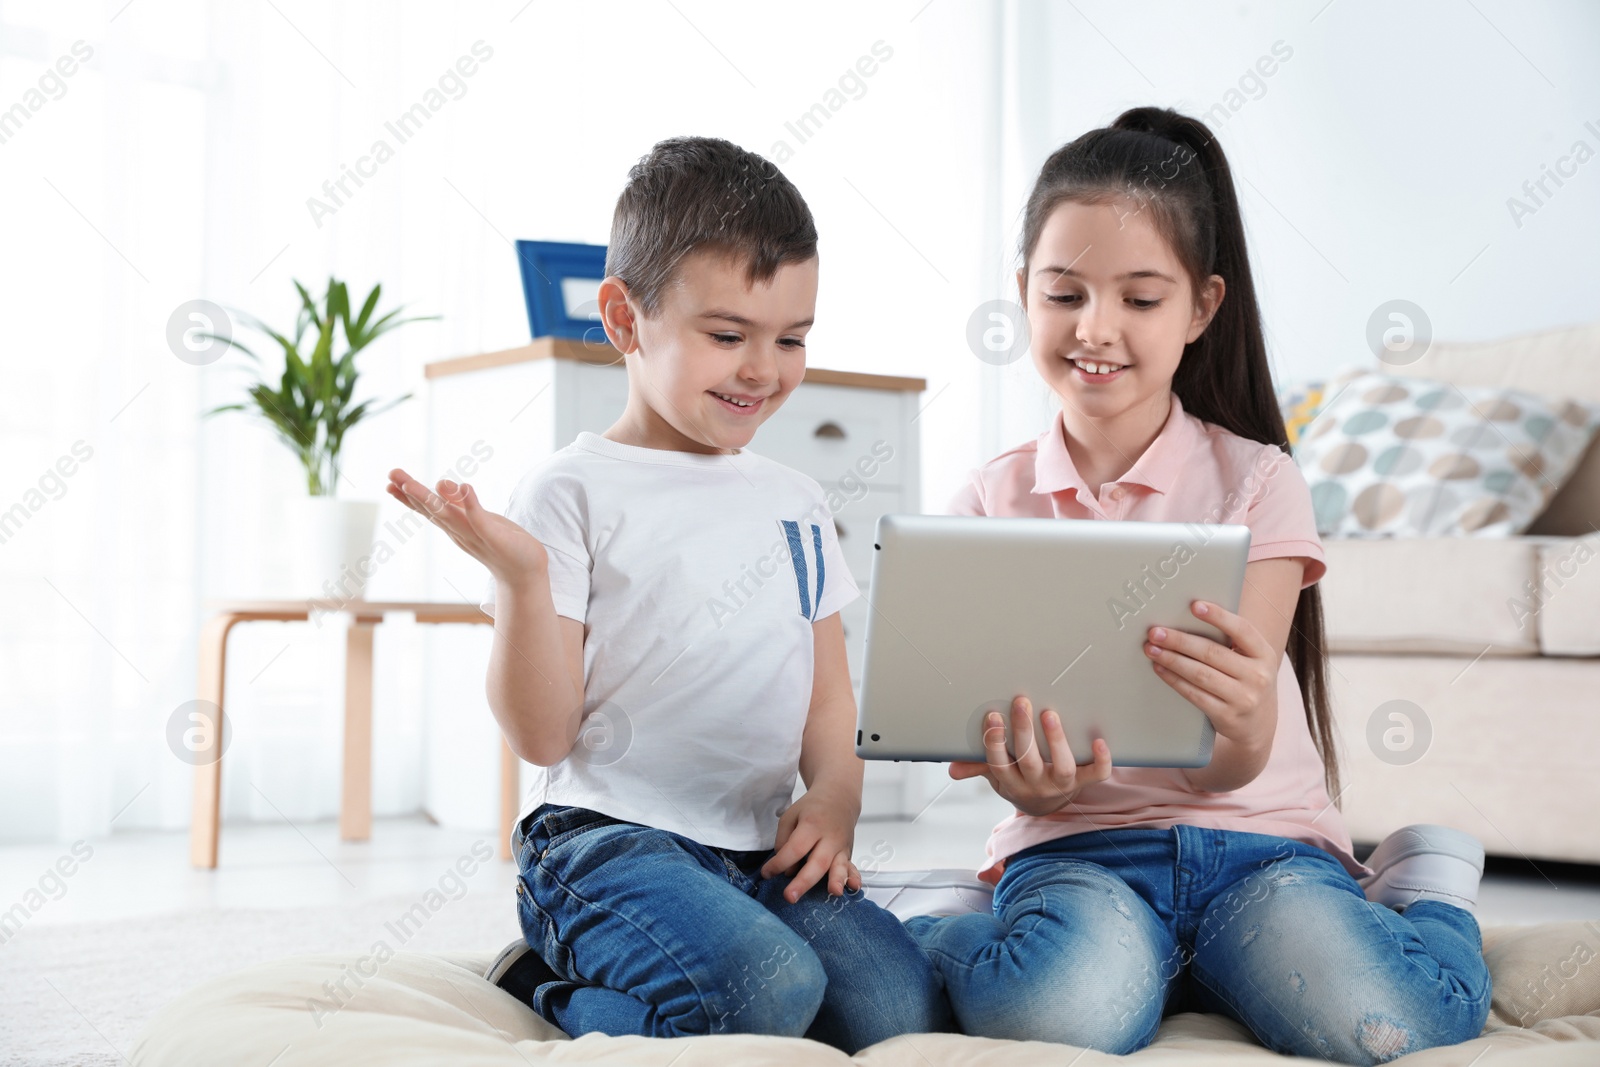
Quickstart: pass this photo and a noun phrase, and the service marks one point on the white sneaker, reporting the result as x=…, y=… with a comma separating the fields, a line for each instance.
x=948, y=891
x=1425, y=862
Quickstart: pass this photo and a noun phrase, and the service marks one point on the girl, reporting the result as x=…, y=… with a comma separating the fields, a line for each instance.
x=1125, y=895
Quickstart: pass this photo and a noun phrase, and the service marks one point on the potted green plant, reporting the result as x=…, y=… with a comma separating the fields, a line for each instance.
x=311, y=408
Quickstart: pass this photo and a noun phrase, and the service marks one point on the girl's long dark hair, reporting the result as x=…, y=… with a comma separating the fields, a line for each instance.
x=1171, y=166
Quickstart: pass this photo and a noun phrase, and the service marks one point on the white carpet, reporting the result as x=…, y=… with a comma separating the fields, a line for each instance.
x=77, y=994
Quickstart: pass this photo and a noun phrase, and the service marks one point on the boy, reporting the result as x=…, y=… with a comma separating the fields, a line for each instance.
x=667, y=885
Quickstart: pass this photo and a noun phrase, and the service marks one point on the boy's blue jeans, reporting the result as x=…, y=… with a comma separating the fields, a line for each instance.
x=656, y=934
x=1096, y=936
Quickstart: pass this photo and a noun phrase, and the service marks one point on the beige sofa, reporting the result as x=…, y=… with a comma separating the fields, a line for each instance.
x=1496, y=686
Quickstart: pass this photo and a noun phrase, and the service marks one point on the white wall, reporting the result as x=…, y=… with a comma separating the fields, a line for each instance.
x=1375, y=163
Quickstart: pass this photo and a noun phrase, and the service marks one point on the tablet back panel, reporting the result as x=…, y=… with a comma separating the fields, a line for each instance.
x=968, y=612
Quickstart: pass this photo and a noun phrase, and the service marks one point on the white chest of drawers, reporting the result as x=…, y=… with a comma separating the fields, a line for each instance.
x=492, y=416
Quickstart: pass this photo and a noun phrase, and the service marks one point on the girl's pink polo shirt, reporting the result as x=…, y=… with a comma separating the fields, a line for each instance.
x=1193, y=471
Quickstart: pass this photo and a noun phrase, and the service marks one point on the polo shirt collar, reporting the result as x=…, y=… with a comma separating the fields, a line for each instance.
x=1158, y=468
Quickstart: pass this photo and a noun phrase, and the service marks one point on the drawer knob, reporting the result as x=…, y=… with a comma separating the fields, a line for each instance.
x=829, y=429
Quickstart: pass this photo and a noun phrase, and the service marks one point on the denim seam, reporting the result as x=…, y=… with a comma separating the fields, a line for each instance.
x=1183, y=881
x=1028, y=934
x=944, y=957
x=547, y=928
x=1474, y=1002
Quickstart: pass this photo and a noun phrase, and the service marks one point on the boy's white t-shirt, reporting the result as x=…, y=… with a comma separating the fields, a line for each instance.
x=698, y=578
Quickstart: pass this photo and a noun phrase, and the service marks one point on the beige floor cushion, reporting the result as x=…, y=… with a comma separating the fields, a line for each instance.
x=411, y=1008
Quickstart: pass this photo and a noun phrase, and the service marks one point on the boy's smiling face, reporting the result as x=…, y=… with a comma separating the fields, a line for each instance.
x=717, y=357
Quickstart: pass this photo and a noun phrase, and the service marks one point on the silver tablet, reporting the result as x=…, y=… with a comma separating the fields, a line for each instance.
x=969, y=612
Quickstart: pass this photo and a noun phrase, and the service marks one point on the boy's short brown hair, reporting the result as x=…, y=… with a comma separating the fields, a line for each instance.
x=703, y=193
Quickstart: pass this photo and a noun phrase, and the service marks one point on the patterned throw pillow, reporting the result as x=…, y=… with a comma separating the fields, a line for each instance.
x=1300, y=404
x=1410, y=457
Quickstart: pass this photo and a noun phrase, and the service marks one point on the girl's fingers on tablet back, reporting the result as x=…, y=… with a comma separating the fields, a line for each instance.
x=994, y=741
x=1055, y=737
x=1022, y=744
x=1100, y=769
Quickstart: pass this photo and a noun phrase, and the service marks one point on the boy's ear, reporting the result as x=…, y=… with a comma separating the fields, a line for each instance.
x=617, y=315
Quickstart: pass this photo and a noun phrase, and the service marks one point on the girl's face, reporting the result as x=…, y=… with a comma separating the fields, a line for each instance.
x=1109, y=307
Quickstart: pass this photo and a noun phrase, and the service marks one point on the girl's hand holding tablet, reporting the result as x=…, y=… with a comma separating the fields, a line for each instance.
x=1236, y=688
x=1033, y=786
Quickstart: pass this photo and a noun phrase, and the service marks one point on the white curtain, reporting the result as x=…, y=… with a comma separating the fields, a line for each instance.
x=179, y=160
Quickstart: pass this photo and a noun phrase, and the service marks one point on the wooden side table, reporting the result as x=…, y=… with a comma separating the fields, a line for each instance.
x=355, y=803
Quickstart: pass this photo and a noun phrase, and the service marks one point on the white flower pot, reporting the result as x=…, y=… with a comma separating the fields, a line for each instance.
x=328, y=543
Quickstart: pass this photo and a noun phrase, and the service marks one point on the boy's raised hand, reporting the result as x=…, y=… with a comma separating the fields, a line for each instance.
x=511, y=553
x=1032, y=786
x=819, y=828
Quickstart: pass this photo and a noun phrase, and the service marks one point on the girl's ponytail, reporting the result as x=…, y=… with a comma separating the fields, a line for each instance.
x=1171, y=165
x=1241, y=399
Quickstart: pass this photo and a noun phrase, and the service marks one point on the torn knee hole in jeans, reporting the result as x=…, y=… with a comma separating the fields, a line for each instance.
x=1383, y=1037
